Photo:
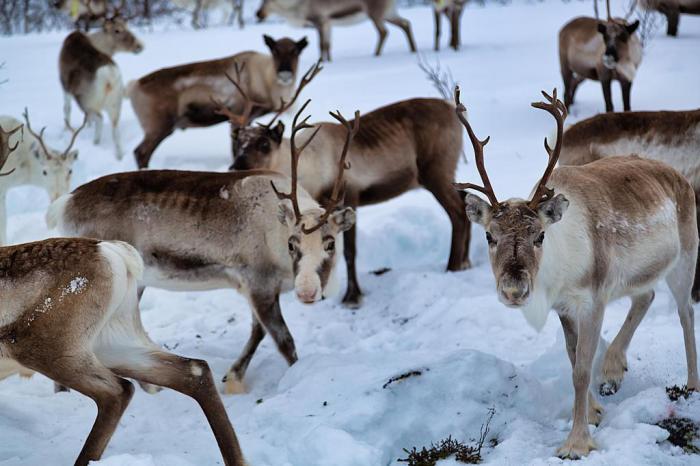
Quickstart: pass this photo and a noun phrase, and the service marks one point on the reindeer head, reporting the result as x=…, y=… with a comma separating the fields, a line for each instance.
x=285, y=53
x=50, y=168
x=616, y=34
x=313, y=232
x=118, y=31
x=515, y=229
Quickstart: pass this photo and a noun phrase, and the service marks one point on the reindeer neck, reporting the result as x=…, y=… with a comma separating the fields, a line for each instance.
x=102, y=42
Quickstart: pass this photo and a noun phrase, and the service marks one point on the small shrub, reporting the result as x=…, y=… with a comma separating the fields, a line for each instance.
x=675, y=392
x=683, y=432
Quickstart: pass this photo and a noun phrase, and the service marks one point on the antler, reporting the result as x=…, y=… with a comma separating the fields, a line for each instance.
x=487, y=189
x=5, y=149
x=336, y=197
x=558, y=110
x=607, y=8
x=633, y=6
x=306, y=79
x=40, y=136
x=296, y=152
x=244, y=118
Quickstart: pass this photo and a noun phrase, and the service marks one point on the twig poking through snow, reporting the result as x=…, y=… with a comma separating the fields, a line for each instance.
x=402, y=377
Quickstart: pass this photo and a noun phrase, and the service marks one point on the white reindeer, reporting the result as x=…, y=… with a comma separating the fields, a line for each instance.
x=33, y=163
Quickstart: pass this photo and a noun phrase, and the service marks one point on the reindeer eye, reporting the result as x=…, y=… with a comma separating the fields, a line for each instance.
x=291, y=246
x=330, y=246
x=45, y=173
x=264, y=145
x=490, y=240
x=539, y=239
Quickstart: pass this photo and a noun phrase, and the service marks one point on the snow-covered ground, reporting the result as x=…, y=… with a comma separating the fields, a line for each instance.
x=330, y=408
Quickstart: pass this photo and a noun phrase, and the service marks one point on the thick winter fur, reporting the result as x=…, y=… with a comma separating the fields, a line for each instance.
x=672, y=9
x=181, y=96
x=32, y=167
x=321, y=14
x=615, y=227
x=452, y=9
x=70, y=311
x=201, y=231
x=602, y=51
x=90, y=76
x=669, y=137
x=399, y=147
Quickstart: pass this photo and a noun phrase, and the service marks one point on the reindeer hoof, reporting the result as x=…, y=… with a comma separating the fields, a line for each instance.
x=609, y=388
x=232, y=385
x=576, y=449
x=352, y=302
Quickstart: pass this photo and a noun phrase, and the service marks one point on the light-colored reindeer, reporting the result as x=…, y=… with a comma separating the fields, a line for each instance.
x=590, y=48
x=69, y=310
x=34, y=163
x=321, y=14
x=200, y=231
x=452, y=9
x=89, y=74
x=590, y=235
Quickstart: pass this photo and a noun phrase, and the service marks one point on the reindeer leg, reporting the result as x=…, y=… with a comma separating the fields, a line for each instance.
x=673, y=17
x=605, y=82
x=113, y=107
x=381, y=30
x=191, y=377
x=455, y=18
x=696, y=283
x=233, y=380
x=452, y=202
x=579, y=443
x=626, y=87
x=144, y=151
x=353, y=294
x=438, y=29
x=615, y=364
x=66, y=108
x=405, y=25
x=97, y=119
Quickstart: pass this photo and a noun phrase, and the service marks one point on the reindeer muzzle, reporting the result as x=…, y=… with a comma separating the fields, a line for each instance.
x=514, y=292
x=285, y=78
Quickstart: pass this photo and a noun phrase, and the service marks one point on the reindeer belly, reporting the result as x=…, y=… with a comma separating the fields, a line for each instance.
x=178, y=271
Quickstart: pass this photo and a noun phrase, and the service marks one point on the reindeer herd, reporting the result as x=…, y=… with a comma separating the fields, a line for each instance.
x=615, y=218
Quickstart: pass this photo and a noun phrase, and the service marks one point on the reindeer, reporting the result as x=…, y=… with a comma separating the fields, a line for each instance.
x=199, y=231
x=200, y=7
x=614, y=227
x=669, y=137
x=321, y=14
x=602, y=51
x=394, y=151
x=672, y=10
x=452, y=9
x=70, y=311
x=33, y=163
x=191, y=95
x=89, y=74
x=84, y=13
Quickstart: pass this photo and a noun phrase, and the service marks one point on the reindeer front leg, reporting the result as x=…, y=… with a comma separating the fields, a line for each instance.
x=606, y=82
x=580, y=443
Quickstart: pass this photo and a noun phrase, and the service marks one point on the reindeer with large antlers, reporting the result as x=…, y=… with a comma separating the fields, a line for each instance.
x=395, y=150
x=32, y=163
x=203, y=93
x=90, y=76
x=614, y=227
x=199, y=231
x=590, y=48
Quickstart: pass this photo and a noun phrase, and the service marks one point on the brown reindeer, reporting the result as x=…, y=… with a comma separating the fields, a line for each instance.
x=321, y=14
x=672, y=10
x=200, y=231
x=89, y=74
x=70, y=311
x=602, y=51
x=669, y=137
x=587, y=236
x=452, y=9
x=395, y=150
x=188, y=96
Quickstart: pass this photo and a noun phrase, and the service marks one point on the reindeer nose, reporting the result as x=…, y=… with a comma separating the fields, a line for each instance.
x=285, y=77
x=307, y=297
x=514, y=292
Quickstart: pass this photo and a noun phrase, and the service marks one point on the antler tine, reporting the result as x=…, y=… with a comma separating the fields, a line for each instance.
x=338, y=186
x=595, y=10
x=305, y=79
x=478, y=146
x=5, y=140
x=74, y=136
x=295, y=153
x=248, y=104
x=40, y=136
x=557, y=109
x=607, y=8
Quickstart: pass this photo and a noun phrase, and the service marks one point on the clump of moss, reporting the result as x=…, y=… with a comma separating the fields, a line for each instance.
x=683, y=432
x=468, y=454
x=675, y=392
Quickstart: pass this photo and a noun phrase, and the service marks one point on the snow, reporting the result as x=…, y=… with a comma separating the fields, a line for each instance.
x=474, y=354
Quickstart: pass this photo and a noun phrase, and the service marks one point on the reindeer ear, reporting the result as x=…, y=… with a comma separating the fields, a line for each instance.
x=285, y=214
x=269, y=41
x=301, y=44
x=632, y=27
x=343, y=219
x=601, y=27
x=73, y=155
x=552, y=210
x=278, y=132
x=478, y=210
